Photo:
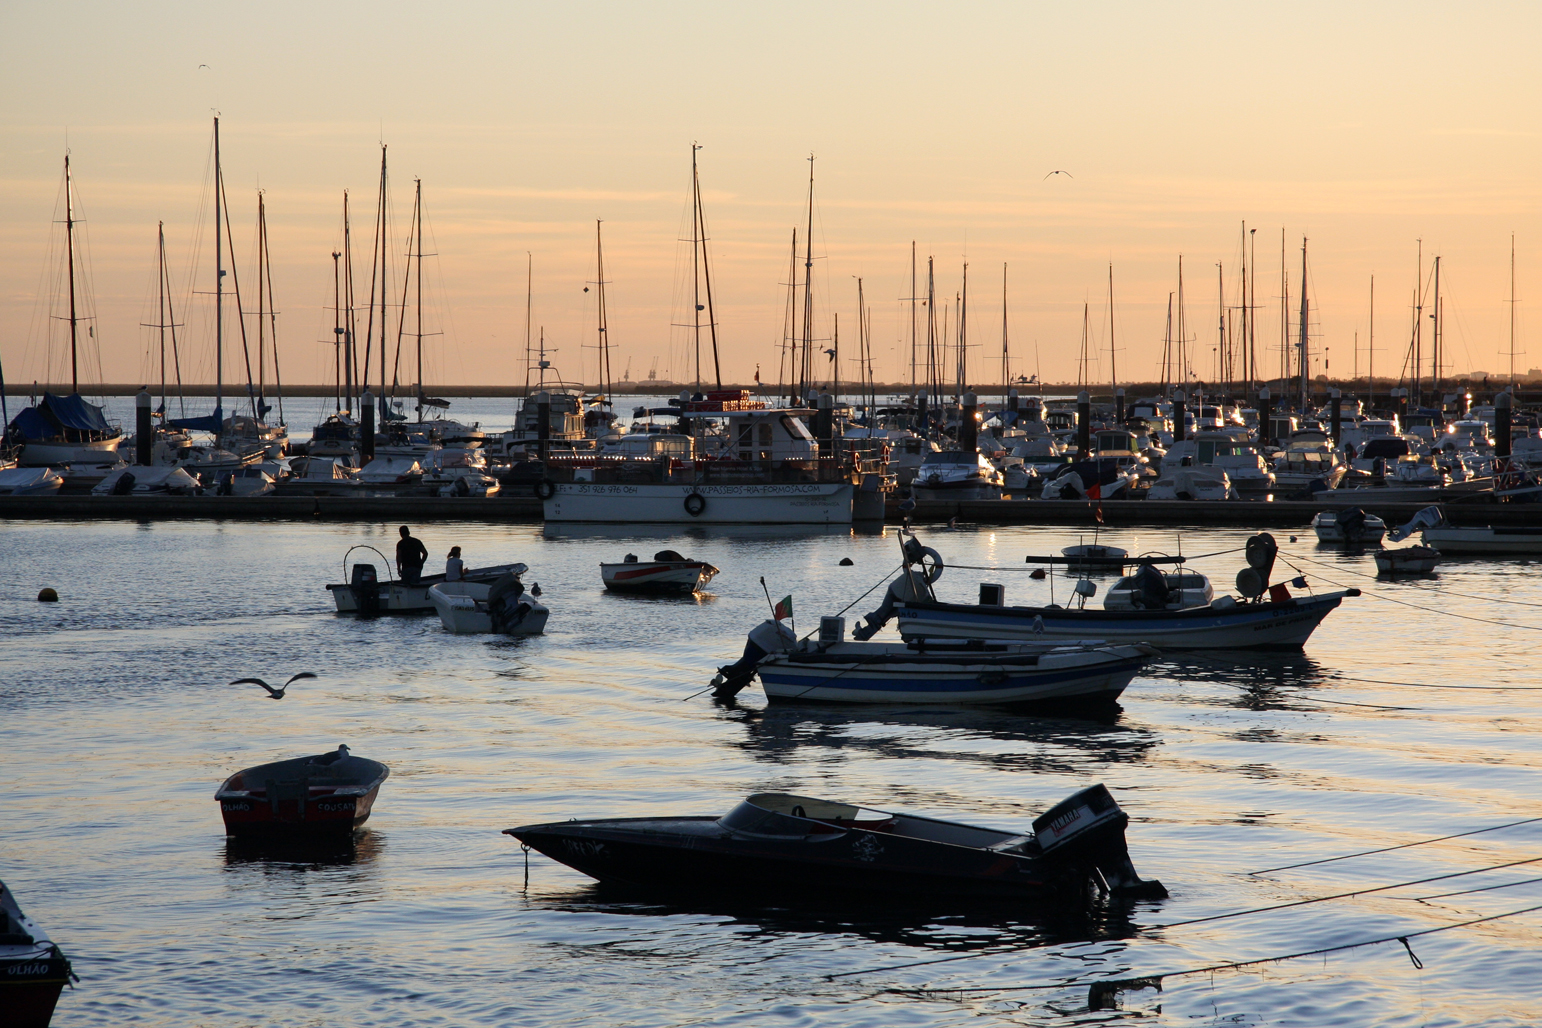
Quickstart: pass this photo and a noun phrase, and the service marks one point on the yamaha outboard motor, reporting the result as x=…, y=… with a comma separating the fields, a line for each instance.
x=923, y=566
x=365, y=587
x=1352, y=524
x=124, y=485
x=1149, y=588
x=1087, y=831
x=766, y=637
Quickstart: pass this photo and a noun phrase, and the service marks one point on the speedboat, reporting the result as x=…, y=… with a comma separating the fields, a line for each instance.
x=1494, y=541
x=322, y=798
x=140, y=481
x=788, y=847
x=1407, y=560
x=1194, y=482
x=366, y=593
x=953, y=471
x=1353, y=526
x=29, y=481
x=1265, y=617
x=667, y=572
x=832, y=670
x=467, y=607
x=33, y=971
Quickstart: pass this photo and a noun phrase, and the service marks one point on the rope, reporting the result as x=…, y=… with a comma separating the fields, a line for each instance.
x=1146, y=980
x=1443, y=592
x=1019, y=567
x=1427, y=610
x=1403, y=846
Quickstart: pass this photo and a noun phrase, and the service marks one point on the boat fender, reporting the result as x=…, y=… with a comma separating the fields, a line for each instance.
x=545, y=489
x=695, y=504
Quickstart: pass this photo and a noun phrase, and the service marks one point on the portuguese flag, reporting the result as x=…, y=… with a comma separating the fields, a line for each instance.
x=783, y=608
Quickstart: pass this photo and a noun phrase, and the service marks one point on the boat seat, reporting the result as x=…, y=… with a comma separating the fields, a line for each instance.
x=1014, y=844
x=885, y=824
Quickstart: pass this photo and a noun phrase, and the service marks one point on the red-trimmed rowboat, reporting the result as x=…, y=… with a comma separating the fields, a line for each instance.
x=321, y=798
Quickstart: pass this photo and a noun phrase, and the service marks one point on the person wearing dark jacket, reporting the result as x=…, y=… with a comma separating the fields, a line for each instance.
x=410, y=556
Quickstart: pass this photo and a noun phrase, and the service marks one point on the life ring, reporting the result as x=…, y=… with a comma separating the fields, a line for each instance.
x=545, y=489
x=933, y=566
x=695, y=504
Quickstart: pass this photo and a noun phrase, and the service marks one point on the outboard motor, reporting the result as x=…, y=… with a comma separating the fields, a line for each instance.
x=1149, y=588
x=765, y=638
x=1087, y=830
x=923, y=566
x=124, y=485
x=1352, y=524
x=365, y=586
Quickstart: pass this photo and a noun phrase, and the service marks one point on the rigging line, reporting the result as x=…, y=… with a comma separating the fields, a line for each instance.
x=1206, y=920
x=1175, y=664
x=1403, y=846
x=1232, y=965
x=1429, y=610
x=1443, y=592
x=1018, y=567
x=1469, y=892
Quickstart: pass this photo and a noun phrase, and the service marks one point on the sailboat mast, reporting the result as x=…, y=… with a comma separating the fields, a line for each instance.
x=1167, y=347
x=808, y=290
x=219, y=286
x=262, y=346
x=417, y=205
x=1370, y=353
x=351, y=331
x=706, y=281
x=1305, y=316
x=696, y=247
x=1006, y=368
x=1113, y=367
x=69, y=244
x=913, y=299
x=963, y=338
x=160, y=306
x=1512, y=312
x=1435, y=396
x=604, y=326
x=529, y=304
x=385, y=281
x=1222, y=355
x=1183, y=332
x=337, y=335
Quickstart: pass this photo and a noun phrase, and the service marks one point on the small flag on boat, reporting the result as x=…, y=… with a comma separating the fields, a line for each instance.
x=783, y=608
x=1299, y=581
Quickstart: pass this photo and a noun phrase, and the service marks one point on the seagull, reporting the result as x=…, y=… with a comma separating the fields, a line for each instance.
x=830, y=354
x=274, y=694
x=1067, y=174
x=203, y=65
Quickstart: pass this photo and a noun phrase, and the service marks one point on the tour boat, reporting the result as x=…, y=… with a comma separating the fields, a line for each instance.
x=791, y=849
x=667, y=572
x=33, y=971
x=321, y=798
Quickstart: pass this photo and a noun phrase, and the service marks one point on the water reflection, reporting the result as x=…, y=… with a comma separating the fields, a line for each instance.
x=295, y=858
x=1263, y=680
x=1057, y=745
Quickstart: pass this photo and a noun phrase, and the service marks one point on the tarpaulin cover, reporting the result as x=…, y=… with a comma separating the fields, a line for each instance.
x=74, y=412
x=208, y=424
x=31, y=425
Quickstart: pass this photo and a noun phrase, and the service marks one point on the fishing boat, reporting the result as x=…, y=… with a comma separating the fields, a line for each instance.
x=321, y=798
x=467, y=607
x=33, y=971
x=667, y=572
x=1490, y=540
x=366, y=592
x=1353, y=526
x=1407, y=560
x=1265, y=617
x=833, y=670
x=789, y=848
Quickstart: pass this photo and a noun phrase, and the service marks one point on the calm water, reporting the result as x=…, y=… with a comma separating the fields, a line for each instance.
x=118, y=724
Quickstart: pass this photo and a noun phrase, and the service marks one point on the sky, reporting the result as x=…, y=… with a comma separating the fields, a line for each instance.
x=1376, y=131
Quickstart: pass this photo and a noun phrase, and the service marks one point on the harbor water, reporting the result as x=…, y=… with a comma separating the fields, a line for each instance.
x=1412, y=713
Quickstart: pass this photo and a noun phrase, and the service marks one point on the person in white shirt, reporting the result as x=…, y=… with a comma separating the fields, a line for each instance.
x=454, y=567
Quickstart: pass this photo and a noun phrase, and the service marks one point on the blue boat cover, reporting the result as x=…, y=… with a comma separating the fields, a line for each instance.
x=212, y=423
x=32, y=426
x=74, y=412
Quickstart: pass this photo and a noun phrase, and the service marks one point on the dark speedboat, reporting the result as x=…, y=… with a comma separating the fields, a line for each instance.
x=317, y=799
x=792, y=846
x=32, y=969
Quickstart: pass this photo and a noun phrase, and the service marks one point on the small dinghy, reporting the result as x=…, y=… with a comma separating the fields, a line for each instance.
x=832, y=670
x=33, y=971
x=1407, y=560
x=667, y=572
x=786, y=848
x=503, y=607
x=1353, y=526
x=307, y=799
x=367, y=594
x=1095, y=557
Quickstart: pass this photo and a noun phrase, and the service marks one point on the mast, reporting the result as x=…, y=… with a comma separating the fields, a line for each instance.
x=417, y=210
x=931, y=330
x=1222, y=354
x=267, y=263
x=1113, y=367
x=385, y=280
x=604, y=323
x=1370, y=353
x=337, y=335
x=1183, y=332
x=69, y=243
x=1435, y=395
x=219, y=287
x=1167, y=348
x=351, y=327
x=1305, y=317
x=808, y=289
x=262, y=349
x=529, y=304
x=1081, y=365
x=963, y=337
x=913, y=299
x=1006, y=368
x=1512, y=312
x=696, y=259
x=1418, y=333
x=164, y=316
x=1284, y=318
x=788, y=361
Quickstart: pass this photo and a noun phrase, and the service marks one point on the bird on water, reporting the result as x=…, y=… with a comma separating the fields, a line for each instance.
x=273, y=694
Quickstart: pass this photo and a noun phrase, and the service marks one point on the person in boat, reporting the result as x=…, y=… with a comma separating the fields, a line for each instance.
x=411, y=555
x=454, y=567
x=505, y=602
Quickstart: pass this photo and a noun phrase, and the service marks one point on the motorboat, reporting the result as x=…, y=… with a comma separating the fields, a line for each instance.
x=1150, y=588
x=33, y=970
x=320, y=798
x=366, y=592
x=789, y=848
x=138, y=481
x=1490, y=540
x=1353, y=526
x=667, y=572
x=953, y=471
x=390, y=470
x=30, y=481
x=1265, y=617
x=1094, y=556
x=1191, y=482
x=247, y=481
x=1407, y=560
x=468, y=607
x=1244, y=467
x=833, y=670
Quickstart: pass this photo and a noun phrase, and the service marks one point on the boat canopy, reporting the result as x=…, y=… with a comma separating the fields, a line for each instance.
x=211, y=423
x=56, y=414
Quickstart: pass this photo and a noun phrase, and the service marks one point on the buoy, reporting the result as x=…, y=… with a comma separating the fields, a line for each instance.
x=847, y=562
x=47, y=596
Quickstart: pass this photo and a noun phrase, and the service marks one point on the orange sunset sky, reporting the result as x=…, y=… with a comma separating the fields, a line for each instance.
x=1365, y=127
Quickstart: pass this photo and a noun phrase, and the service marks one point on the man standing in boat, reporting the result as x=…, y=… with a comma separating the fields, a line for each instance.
x=410, y=557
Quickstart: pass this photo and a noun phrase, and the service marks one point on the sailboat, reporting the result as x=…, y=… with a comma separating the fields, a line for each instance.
x=66, y=429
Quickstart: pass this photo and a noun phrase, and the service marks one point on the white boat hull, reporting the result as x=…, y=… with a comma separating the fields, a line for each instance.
x=1499, y=542
x=41, y=454
x=400, y=598
x=657, y=576
x=462, y=609
x=822, y=503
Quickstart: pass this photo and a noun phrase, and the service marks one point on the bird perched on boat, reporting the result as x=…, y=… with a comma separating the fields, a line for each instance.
x=273, y=694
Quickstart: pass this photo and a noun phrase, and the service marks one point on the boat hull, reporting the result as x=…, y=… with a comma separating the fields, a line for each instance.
x=1249, y=626
x=398, y=597
x=38, y=454
x=1499, y=542
x=320, y=799
x=33, y=971
x=667, y=577
x=1099, y=677
x=462, y=609
x=810, y=503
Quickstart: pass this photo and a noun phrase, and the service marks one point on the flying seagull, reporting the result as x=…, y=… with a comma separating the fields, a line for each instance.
x=1067, y=174
x=273, y=694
